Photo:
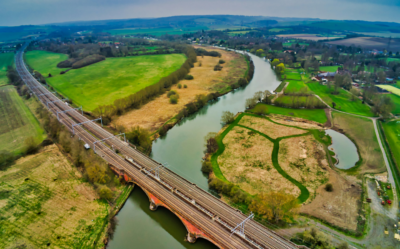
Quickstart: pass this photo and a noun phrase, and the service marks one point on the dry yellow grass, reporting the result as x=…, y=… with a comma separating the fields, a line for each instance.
x=268, y=128
x=302, y=123
x=155, y=113
x=304, y=159
x=247, y=162
x=48, y=204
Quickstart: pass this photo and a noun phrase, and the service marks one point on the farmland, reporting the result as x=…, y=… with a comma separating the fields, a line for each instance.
x=6, y=59
x=342, y=100
x=391, y=89
x=329, y=68
x=102, y=83
x=154, y=31
x=45, y=62
x=45, y=203
x=317, y=115
x=370, y=43
x=312, y=37
x=16, y=121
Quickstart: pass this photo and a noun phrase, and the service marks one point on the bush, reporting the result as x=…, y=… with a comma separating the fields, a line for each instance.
x=185, y=86
x=227, y=117
x=88, y=60
x=30, y=144
x=140, y=137
x=179, y=86
x=260, y=109
x=67, y=63
x=251, y=103
x=105, y=193
x=221, y=61
x=329, y=187
x=170, y=93
x=206, y=167
x=6, y=158
x=217, y=67
x=189, y=77
x=174, y=99
x=242, y=82
x=202, y=52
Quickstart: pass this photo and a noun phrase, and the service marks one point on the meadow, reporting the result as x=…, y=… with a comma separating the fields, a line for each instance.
x=342, y=100
x=317, y=115
x=103, y=82
x=392, y=134
x=16, y=122
x=329, y=68
x=45, y=62
x=295, y=85
x=291, y=75
x=6, y=59
x=396, y=100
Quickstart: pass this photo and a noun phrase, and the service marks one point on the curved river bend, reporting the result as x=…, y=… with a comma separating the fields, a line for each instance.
x=182, y=148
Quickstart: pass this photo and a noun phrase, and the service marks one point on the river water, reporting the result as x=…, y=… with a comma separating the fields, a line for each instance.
x=182, y=149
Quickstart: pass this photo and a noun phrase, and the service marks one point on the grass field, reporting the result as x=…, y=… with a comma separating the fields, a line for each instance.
x=46, y=204
x=154, y=31
x=290, y=75
x=362, y=132
x=329, y=68
x=396, y=100
x=392, y=131
x=393, y=59
x=103, y=82
x=391, y=89
x=342, y=100
x=278, y=29
x=317, y=115
x=295, y=85
x=6, y=59
x=45, y=62
x=16, y=121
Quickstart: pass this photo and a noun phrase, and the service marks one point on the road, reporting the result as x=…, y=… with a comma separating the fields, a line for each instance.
x=213, y=217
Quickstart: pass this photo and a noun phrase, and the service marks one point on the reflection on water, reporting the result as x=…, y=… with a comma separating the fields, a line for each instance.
x=344, y=148
x=182, y=148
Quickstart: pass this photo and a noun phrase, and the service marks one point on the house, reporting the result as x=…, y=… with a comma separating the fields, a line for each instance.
x=326, y=76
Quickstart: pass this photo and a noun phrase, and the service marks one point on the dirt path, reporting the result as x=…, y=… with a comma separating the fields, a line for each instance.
x=281, y=92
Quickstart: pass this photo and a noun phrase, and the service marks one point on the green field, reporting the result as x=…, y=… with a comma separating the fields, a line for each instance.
x=396, y=101
x=103, y=82
x=317, y=115
x=154, y=31
x=392, y=133
x=342, y=100
x=16, y=121
x=6, y=59
x=279, y=29
x=391, y=89
x=329, y=68
x=45, y=62
x=295, y=85
x=290, y=75
x=393, y=59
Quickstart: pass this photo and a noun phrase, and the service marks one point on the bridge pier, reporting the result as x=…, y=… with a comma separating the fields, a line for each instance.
x=191, y=238
x=153, y=206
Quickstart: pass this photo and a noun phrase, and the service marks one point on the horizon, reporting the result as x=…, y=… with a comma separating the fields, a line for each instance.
x=41, y=12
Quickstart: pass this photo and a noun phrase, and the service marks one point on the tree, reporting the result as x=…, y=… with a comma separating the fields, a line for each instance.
x=343, y=245
x=276, y=206
x=329, y=187
x=105, y=192
x=280, y=69
x=259, y=52
x=383, y=105
x=260, y=109
x=227, y=117
x=333, y=105
x=211, y=142
x=275, y=62
x=381, y=76
x=251, y=103
x=30, y=145
x=354, y=94
x=140, y=137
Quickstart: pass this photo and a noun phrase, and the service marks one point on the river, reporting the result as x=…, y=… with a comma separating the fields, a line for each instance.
x=182, y=149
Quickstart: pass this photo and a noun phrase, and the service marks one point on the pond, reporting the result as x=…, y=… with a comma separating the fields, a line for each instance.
x=344, y=148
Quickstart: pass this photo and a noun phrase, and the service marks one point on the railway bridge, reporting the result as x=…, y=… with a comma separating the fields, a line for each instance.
x=204, y=215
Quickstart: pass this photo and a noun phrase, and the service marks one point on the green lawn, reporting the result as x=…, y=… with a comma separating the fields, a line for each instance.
x=329, y=68
x=6, y=59
x=342, y=100
x=396, y=101
x=290, y=75
x=16, y=121
x=317, y=115
x=45, y=62
x=114, y=78
x=392, y=133
x=295, y=85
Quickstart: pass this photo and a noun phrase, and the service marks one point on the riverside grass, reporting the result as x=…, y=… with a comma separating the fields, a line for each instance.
x=342, y=100
x=103, y=82
x=16, y=122
x=304, y=193
x=317, y=115
x=6, y=59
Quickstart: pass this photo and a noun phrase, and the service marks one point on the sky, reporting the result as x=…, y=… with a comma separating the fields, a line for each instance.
x=34, y=12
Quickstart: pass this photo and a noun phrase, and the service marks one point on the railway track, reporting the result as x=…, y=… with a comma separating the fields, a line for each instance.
x=210, y=215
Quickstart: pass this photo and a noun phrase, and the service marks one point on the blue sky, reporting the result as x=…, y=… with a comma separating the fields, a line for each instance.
x=25, y=12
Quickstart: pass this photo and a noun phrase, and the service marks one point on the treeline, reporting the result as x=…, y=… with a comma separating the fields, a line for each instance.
x=203, y=52
x=295, y=102
x=91, y=59
x=137, y=99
